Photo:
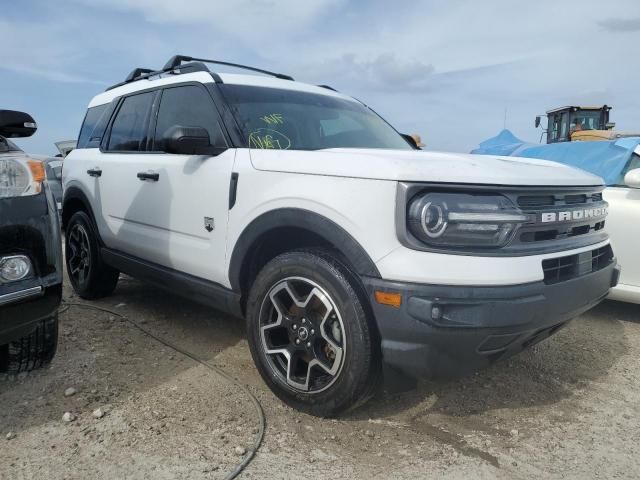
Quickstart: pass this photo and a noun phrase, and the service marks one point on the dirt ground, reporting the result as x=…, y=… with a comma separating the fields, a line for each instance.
x=569, y=408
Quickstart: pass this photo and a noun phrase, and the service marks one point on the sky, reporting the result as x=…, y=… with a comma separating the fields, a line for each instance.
x=455, y=71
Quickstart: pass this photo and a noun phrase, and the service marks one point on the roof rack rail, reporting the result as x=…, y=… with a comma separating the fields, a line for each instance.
x=176, y=61
x=146, y=73
x=328, y=87
x=193, y=65
x=137, y=72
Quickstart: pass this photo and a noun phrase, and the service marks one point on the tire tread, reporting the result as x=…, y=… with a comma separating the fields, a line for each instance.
x=31, y=351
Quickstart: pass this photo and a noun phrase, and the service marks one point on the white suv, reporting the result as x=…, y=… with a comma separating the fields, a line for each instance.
x=343, y=246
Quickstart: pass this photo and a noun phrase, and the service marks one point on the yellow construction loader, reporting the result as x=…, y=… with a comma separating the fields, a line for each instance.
x=574, y=124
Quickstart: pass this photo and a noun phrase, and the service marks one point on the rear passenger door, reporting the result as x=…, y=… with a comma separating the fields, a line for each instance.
x=178, y=218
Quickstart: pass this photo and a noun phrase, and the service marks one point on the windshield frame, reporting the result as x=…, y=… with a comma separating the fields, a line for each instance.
x=242, y=135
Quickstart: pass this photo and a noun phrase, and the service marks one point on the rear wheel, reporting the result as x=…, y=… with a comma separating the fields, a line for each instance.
x=310, y=335
x=89, y=276
x=31, y=351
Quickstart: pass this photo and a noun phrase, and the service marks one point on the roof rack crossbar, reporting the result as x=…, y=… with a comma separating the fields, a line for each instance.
x=146, y=73
x=197, y=65
x=176, y=61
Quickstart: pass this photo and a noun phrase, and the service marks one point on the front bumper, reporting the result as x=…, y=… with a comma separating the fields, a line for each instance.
x=445, y=331
x=19, y=317
x=30, y=227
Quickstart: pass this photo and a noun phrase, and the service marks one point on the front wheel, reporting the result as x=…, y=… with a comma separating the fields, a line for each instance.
x=310, y=335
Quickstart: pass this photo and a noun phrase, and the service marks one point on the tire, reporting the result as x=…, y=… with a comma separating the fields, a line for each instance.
x=88, y=274
x=31, y=351
x=332, y=335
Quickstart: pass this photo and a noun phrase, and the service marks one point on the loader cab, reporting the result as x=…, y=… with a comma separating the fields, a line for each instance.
x=564, y=122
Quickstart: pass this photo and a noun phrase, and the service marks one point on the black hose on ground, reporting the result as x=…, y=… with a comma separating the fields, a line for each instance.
x=259, y=411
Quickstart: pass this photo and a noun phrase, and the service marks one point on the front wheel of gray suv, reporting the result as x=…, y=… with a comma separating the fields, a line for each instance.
x=310, y=334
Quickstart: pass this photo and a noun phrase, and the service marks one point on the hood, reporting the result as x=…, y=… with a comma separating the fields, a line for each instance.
x=420, y=166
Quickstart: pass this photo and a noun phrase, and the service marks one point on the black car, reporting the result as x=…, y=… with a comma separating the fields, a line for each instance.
x=30, y=253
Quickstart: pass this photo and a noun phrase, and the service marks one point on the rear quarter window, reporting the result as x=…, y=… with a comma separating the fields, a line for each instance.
x=129, y=128
x=93, y=127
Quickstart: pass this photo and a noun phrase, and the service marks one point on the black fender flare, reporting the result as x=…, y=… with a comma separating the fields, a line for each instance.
x=313, y=222
x=74, y=193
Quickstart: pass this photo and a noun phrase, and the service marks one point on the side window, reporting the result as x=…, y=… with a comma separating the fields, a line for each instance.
x=564, y=125
x=553, y=128
x=129, y=129
x=188, y=106
x=93, y=127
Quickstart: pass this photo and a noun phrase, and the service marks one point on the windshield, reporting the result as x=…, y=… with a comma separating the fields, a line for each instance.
x=272, y=118
x=585, y=120
x=7, y=145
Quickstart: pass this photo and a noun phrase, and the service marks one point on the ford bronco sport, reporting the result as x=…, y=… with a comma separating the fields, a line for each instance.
x=343, y=246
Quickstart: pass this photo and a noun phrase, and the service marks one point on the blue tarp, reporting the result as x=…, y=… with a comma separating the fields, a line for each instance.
x=607, y=159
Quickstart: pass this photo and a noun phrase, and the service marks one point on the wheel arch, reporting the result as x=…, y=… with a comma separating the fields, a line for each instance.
x=284, y=229
x=75, y=199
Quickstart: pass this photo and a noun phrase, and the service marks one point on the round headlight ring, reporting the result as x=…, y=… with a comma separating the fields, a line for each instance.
x=433, y=219
x=14, y=268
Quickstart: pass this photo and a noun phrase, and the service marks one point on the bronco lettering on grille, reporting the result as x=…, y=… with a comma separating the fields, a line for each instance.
x=569, y=215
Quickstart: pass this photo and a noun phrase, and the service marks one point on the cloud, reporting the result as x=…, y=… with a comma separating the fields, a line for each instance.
x=239, y=17
x=55, y=75
x=18, y=54
x=384, y=72
x=620, y=25
x=445, y=69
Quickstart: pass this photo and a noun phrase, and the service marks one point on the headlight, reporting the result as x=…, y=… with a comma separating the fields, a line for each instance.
x=463, y=219
x=20, y=177
x=14, y=268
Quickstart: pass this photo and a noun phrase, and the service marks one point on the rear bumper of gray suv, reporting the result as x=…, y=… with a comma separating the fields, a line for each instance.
x=446, y=331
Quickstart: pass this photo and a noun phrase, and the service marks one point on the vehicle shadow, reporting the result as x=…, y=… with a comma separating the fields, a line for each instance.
x=625, y=312
x=108, y=361
x=542, y=376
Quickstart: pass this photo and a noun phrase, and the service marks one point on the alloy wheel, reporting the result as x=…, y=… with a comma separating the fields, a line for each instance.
x=79, y=258
x=302, y=335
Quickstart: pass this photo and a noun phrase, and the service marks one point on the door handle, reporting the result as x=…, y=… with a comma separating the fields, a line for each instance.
x=94, y=172
x=154, y=177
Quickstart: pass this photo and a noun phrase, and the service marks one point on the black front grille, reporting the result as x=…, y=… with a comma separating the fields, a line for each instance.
x=561, y=269
x=529, y=202
x=559, y=203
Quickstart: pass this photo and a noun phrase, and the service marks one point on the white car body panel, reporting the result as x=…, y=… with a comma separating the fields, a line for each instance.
x=404, y=264
x=623, y=226
x=149, y=219
x=423, y=166
x=364, y=208
x=158, y=221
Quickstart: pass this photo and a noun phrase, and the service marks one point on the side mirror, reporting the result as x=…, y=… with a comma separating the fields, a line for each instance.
x=414, y=140
x=15, y=124
x=189, y=141
x=632, y=178
x=609, y=125
x=537, y=121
